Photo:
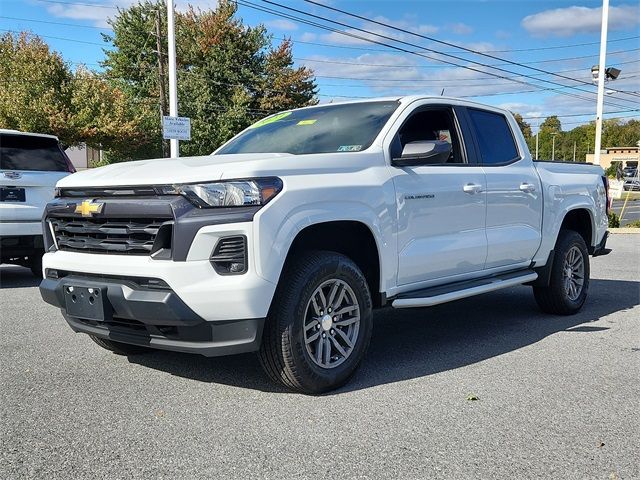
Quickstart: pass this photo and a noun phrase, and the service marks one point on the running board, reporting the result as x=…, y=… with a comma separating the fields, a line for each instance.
x=455, y=291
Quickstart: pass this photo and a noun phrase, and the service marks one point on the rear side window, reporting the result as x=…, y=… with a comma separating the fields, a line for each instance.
x=495, y=139
x=25, y=152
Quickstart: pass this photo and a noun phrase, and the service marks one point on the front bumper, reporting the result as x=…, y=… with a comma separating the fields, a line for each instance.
x=147, y=312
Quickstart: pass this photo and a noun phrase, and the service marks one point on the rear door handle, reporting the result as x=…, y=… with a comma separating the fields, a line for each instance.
x=527, y=187
x=472, y=188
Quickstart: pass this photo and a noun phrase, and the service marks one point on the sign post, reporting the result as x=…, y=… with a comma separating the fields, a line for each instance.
x=176, y=128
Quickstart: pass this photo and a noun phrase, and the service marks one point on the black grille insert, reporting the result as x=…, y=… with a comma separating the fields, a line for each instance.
x=230, y=255
x=133, y=236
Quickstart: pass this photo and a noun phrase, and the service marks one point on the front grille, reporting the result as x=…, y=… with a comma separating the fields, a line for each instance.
x=135, y=236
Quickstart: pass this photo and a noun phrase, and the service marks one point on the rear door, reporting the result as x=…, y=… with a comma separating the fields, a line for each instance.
x=514, y=191
x=30, y=167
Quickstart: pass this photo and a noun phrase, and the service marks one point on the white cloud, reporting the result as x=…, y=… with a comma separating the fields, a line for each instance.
x=99, y=14
x=281, y=24
x=565, y=22
x=460, y=28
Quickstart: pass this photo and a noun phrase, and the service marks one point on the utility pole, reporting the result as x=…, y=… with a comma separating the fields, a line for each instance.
x=173, y=80
x=553, y=146
x=163, y=97
x=537, y=135
x=601, y=76
x=574, y=151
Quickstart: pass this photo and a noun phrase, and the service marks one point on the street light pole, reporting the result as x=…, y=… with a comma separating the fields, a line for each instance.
x=173, y=81
x=537, y=137
x=601, y=77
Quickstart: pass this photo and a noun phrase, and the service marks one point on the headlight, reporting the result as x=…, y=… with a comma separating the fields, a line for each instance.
x=231, y=193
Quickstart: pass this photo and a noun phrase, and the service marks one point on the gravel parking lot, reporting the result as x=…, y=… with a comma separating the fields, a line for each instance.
x=558, y=397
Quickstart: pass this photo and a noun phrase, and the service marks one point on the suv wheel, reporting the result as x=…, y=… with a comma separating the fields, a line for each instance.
x=569, y=281
x=320, y=323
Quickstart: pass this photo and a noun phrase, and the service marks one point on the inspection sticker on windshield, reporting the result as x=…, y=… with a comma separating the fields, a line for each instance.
x=307, y=122
x=349, y=148
x=269, y=120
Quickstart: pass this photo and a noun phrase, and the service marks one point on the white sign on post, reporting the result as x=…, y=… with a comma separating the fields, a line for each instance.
x=176, y=128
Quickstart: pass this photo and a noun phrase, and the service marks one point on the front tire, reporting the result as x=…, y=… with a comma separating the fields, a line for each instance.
x=118, y=347
x=569, y=280
x=319, y=326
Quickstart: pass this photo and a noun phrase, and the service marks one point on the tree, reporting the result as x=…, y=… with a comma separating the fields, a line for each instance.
x=40, y=93
x=229, y=74
x=525, y=127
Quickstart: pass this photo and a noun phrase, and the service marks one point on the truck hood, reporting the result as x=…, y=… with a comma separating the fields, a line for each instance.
x=165, y=171
x=168, y=171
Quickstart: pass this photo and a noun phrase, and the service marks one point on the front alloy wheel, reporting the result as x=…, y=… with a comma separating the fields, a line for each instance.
x=319, y=325
x=332, y=322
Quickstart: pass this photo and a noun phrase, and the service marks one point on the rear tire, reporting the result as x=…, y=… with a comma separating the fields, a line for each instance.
x=569, y=280
x=320, y=323
x=119, y=348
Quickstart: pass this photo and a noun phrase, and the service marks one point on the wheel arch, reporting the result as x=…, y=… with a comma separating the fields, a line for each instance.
x=580, y=220
x=351, y=238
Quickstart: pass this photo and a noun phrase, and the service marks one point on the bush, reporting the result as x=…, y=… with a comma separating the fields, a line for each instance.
x=634, y=224
x=612, y=170
x=614, y=220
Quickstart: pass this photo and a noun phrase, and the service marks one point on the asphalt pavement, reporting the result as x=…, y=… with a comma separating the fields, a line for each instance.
x=631, y=210
x=557, y=397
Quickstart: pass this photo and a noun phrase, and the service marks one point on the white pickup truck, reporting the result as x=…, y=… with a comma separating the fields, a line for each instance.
x=284, y=239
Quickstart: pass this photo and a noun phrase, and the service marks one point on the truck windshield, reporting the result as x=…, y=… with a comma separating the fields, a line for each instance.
x=348, y=127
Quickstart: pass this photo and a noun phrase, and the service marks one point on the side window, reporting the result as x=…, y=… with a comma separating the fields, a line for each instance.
x=495, y=139
x=429, y=124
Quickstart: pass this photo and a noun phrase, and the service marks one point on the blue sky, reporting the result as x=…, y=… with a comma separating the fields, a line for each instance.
x=559, y=36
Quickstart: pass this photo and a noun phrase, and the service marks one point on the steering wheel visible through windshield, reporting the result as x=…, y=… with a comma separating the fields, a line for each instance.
x=349, y=127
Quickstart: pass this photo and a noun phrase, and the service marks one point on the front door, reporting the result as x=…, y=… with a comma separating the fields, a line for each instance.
x=441, y=207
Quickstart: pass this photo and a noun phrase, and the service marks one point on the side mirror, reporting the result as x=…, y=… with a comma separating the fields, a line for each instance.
x=423, y=152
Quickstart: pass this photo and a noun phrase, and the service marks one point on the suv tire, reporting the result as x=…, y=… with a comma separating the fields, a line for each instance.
x=319, y=325
x=569, y=280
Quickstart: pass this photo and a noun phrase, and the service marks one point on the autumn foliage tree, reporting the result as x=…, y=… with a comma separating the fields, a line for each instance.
x=229, y=74
x=40, y=93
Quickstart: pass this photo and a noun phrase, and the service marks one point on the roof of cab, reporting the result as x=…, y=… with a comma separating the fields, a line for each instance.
x=27, y=134
x=406, y=99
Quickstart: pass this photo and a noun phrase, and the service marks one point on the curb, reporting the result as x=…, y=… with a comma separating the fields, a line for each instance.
x=624, y=230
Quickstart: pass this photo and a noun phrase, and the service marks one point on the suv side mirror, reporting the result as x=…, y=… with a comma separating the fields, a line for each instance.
x=423, y=152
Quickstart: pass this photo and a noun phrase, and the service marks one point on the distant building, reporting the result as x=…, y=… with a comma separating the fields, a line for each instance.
x=83, y=157
x=629, y=156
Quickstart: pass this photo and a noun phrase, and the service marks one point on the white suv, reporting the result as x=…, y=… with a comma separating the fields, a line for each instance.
x=30, y=166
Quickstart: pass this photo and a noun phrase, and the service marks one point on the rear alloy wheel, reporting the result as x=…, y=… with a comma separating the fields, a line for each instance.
x=569, y=280
x=320, y=323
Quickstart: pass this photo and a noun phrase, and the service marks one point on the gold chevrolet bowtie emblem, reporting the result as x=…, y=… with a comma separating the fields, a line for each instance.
x=87, y=208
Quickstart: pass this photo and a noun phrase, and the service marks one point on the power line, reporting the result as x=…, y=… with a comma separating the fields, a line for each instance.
x=618, y=52
x=395, y=47
x=54, y=23
x=426, y=37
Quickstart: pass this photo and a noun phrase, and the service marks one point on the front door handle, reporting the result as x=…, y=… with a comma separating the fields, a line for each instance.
x=527, y=187
x=472, y=188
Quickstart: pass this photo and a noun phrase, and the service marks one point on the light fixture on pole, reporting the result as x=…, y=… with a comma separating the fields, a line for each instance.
x=600, y=70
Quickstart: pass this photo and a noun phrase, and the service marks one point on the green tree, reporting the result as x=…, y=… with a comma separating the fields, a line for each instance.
x=229, y=74
x=40, y=93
